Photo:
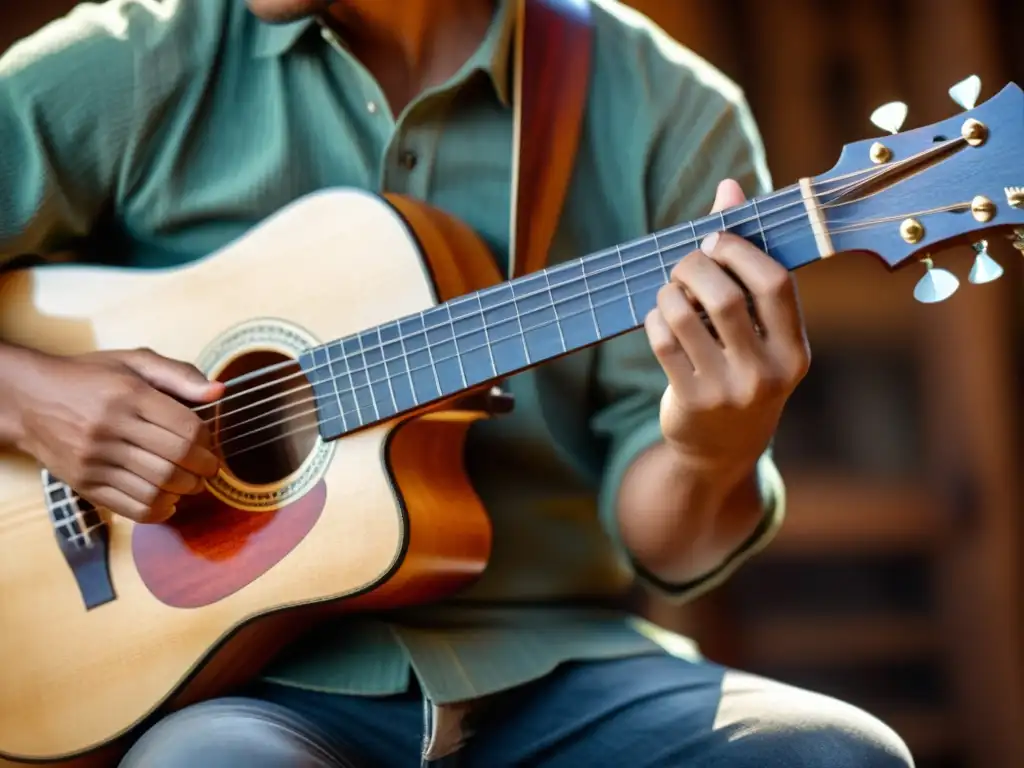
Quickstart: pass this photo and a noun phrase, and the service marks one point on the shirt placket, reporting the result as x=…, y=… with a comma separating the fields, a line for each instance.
x=406, y=166
x=373, y=101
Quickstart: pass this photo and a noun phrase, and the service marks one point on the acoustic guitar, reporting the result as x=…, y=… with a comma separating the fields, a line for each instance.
x=347, y=405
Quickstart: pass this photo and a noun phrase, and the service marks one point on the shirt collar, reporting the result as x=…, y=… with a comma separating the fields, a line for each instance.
x=492, y=57
x=273, y=40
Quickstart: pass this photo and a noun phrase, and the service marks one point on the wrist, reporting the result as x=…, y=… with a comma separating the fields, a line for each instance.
x=711, y=475
x=724, y=503
x=681, y=515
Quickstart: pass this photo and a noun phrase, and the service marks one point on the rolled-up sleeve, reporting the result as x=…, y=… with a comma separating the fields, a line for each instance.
x=706, y=134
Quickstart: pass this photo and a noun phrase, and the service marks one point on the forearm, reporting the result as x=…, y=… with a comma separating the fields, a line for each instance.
x=681, y=523
x=14, y=361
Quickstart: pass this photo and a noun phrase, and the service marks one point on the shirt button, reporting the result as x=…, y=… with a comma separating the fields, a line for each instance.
x=371, y=107
x=408, y=160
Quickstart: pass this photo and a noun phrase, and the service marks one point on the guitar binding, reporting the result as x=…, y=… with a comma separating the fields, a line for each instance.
x=83, y=538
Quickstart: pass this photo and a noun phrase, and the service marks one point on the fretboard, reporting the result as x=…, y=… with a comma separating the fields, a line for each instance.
x=493, y=333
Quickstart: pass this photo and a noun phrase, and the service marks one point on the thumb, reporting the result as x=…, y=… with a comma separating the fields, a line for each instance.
x=728, y=194
x=173, y=377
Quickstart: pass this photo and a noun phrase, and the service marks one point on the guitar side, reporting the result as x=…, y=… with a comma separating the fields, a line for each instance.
x=380, y=518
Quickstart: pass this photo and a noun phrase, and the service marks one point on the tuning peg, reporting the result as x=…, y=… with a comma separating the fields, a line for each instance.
x=890, y=117
x=985, y=269
x=936, y=285
x=966, y=92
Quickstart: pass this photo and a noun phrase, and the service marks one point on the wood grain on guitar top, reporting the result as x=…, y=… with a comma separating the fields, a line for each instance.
x=393, y=519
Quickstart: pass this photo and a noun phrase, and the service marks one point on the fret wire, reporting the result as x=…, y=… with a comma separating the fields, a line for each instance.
x=487, y=336
x=725, y=227
x=519, y=322
x=408, y=366
x=430, y=354
x=554, y=309
x=625, y=280
x=369, y=381
x=781, y=193
x=659, y=249
x=792, y=189
x=592, y=306
x=516, y=306
x=691, y=224
x=334, y=380
x=455, y=342
x=498, y=339
x=384, y=364
x=542, y=325
x=552, y=322
x=590, y=301
x=760, y=225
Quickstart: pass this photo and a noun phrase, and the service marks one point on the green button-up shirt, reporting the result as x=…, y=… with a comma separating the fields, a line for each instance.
x=149, y=134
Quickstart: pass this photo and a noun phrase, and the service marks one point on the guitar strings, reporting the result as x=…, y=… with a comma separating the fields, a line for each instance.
x=869, y=175
x=872, y=174
x=428, y=347
x=294, y=417
x=346, y=358
x=410, y=370
x=282, y=395
x=855, y=226
x=15, y=518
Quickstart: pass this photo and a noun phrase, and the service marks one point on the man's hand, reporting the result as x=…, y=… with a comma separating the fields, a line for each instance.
x=689, y=503
x=109, y=425
x=725, y=397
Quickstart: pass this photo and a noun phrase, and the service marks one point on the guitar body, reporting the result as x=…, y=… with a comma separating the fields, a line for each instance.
x=184, y=610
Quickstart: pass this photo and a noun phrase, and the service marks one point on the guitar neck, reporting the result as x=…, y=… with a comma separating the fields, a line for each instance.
x=496, y=332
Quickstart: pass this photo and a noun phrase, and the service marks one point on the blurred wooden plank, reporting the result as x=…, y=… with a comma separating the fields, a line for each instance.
x=699, y=26
x=974, y=422
x=856, y=296
x=813, y=640
x=928, y=734
x=786, y=86
x=845, y=514
x=20, y=19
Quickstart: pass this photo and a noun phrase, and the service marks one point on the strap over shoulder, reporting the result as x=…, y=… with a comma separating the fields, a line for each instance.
x=552, y=53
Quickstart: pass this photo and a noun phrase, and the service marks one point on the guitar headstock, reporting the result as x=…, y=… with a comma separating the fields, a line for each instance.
x=911, y=193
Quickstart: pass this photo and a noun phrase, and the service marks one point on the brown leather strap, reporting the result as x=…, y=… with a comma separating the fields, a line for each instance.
x=552, y=73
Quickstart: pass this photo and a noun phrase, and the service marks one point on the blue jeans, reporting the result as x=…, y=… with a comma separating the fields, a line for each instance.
x=645, y=712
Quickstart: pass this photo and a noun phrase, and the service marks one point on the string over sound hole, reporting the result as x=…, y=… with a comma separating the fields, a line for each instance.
x=265, y=426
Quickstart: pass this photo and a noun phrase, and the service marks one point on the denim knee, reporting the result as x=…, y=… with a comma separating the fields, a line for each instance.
x=233, y=732
x=859, y=741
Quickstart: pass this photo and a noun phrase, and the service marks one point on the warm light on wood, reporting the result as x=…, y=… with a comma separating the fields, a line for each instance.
x=399, y=521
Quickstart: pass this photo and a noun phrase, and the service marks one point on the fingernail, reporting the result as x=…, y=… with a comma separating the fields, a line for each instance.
x=708, y=243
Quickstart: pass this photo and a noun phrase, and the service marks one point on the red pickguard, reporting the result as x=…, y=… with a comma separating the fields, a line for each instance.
x=210, y=550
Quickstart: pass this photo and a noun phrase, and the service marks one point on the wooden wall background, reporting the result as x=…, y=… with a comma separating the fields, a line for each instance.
x=897, y=579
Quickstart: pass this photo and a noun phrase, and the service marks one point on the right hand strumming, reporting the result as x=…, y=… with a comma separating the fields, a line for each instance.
x=110, y=425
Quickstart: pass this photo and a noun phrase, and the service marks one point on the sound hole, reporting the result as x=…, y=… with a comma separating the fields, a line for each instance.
x=266, y=426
